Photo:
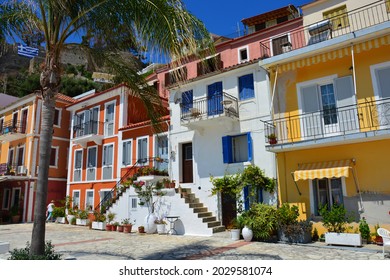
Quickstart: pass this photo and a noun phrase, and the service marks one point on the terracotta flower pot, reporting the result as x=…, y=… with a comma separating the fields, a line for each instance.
x=108, y=227
x=120, y=228
x=127, y=228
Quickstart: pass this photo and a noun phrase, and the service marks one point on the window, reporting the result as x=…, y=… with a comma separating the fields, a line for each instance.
x=237, y=148
x=91, y=163
x=280, y=45
x=142, y=150
x=243, y=55
x=326, y=106
x=338, y=17
x=1, y=125
x=57, y=117
x=10, y=156
x=327, y=191
x=388, y=6
x=53, y=156
x=20, y=156
x=6, y=199
x=108, y=156
x=161, y=151
x=246, y=87
x=175, y=76
x=109, y=119
x=260, y=26
x=209, y=65
x=15, y=120
x=23, y=122
x=126, y=153
x=15, y=197
x=76, y=199
x=281, y=19
x=133, y=202
x=89, y=205
x=78, y=160
x=381, y=84
x=187, y=101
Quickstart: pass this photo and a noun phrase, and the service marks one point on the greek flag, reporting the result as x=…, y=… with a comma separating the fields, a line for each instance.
x=27, y=51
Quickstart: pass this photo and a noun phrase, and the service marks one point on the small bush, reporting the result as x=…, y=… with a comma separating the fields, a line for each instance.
x=24, y=253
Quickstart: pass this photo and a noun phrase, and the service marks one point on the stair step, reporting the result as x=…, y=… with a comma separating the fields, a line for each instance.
x=195, y=205
x=200, y=209
x=204, y=214
x=213, y=224
x=209, y=219
x=218, y=229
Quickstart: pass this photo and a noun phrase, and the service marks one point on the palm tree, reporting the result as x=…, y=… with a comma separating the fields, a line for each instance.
x=108, y=27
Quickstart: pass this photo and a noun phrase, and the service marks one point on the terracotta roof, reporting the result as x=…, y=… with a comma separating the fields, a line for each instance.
x=65, y=98
x=287, y=10
x=144, y=123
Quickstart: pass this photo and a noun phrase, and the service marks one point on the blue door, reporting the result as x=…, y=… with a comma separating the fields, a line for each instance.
x=214, y=99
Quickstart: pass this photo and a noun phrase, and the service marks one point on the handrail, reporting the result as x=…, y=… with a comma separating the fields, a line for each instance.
x=13, y=127
x=139, y=163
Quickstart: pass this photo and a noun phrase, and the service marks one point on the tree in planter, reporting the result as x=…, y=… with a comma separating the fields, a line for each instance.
x=335, y=219
x=364, y=229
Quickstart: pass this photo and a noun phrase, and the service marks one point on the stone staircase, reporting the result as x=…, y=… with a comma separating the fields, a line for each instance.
x=202, y=211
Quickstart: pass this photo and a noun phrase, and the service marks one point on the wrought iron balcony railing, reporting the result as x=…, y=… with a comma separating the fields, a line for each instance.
x=363, y=117
x=358, y=19
x=13, y=127
x=208, y=107
x=88, y=128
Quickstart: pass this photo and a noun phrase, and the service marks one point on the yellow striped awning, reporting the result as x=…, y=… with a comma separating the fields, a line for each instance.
x=318, y=170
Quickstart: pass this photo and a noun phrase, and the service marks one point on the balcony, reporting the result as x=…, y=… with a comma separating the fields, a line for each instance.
x=14, y=171
x=12, y=131
x=346, y=23
x=203, y=111
x=349, y=123
x=88, y=131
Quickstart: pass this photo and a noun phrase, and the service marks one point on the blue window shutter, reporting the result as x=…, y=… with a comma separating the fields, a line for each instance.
x=246, y=87
x=227, y=149
x=250, y=146
x=246, y=198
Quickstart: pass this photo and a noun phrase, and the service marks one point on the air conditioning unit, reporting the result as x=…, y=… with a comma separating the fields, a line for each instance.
x=21, y=170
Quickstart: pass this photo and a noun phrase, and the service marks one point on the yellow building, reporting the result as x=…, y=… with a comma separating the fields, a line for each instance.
x=331, y=110
x=20, y=124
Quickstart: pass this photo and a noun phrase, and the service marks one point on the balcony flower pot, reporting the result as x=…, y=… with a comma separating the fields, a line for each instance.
x=272, y=140
x=99, y=225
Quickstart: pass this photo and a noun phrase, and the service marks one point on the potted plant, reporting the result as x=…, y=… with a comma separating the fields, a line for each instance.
x=82, y=218
x=160, y=225
x=120, y=227
x=246, y=222
x=141, y=229
x=115, y=226
x=377, y=238
x=364, y=230
x=99, y=221
x=272, y=139
x=110, y=218
x=15, y=214
x=289, y=228
x=127, y=225
x=59, y=214
x=234, y=228
x=335, y=220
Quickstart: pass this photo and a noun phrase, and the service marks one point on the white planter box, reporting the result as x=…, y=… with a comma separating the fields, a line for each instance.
x=82, y=222
x=99, y=225
x=348, y=239
x=60, y=220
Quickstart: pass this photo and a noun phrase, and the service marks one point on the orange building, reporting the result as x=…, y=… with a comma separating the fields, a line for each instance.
x=19, y=158
x=110, y=133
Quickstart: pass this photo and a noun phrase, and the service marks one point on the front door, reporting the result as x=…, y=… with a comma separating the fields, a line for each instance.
x=229, y=209
x=187, y=163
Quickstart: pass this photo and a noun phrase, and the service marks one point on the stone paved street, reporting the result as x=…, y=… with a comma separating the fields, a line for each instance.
x=82, y=243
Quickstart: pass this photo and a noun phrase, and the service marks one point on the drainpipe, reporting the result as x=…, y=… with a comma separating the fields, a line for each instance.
x=273, y=93
x=354, y=72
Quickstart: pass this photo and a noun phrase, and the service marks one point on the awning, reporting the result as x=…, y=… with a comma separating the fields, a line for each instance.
x=318, y=170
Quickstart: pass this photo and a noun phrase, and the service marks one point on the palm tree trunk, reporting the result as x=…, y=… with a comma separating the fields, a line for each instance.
x=45, y=141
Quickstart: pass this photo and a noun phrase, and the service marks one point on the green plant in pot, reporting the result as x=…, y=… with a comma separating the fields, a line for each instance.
x=334, y=219
x=364, y=230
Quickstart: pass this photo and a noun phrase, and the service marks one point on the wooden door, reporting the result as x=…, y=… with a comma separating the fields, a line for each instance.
x=187, y=163
x=229, y=209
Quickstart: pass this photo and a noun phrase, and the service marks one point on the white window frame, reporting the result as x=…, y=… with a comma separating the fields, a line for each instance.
x=59, y=117
x=74, y=164
x=311, y=193
x=147, y=149
x=155, y=147
x=131, y=152
x=240, y=59
x=113, y=160
x=374, y=79
x=6, y=195
x=2, y=128
x=21, y=118
x=57, y=148
x=73, y=196
x=105, y=119
x=86, y=199
x=17, y=119
x=94, y=167
x=133, y=203
x=17, y=155
x=13, y=195
x=13, y=155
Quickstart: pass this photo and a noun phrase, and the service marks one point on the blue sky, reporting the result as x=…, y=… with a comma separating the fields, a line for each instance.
x=222, y=16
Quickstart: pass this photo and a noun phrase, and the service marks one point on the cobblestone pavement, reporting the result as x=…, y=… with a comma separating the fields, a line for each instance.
x=82, y=243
